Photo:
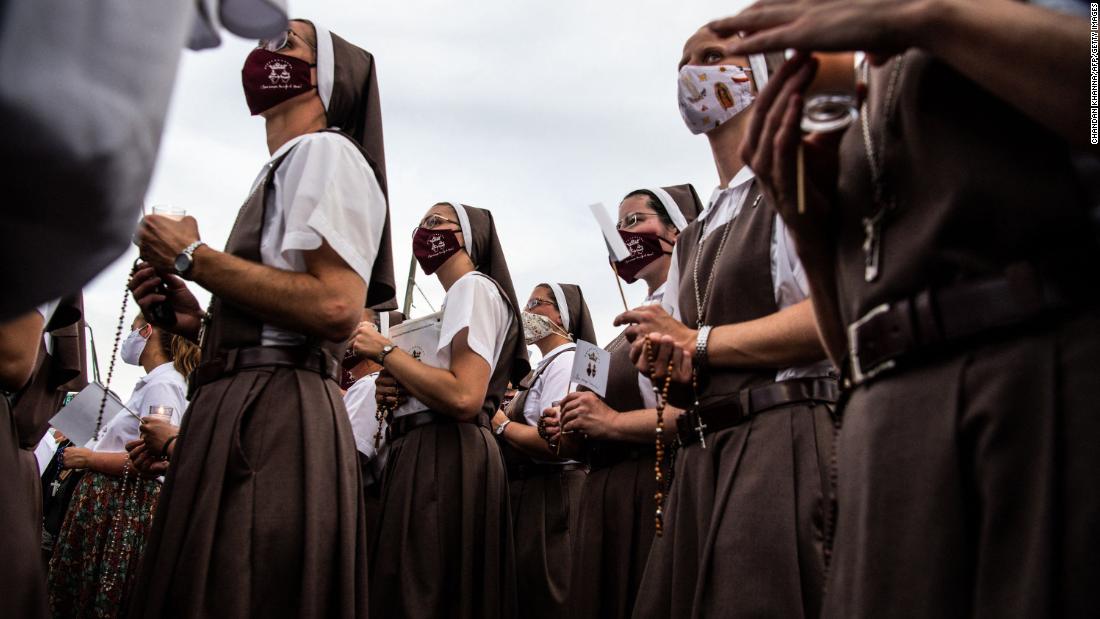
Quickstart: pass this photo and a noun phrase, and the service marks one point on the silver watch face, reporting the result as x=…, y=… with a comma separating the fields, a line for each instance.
x=183, y=263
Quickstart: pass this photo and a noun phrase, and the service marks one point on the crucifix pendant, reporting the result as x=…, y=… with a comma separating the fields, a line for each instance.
x=54, y=487
x=872, y=245
x=700, y=427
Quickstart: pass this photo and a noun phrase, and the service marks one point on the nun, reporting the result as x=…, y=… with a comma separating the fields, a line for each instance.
x=262, y=511
x=614, y=435
x=30, y=379
x=744, y=513
x=545, y=489
x=444, y=542
x=955, y=249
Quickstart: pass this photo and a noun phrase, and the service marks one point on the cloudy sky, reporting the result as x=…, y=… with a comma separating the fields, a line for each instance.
x=531, y=109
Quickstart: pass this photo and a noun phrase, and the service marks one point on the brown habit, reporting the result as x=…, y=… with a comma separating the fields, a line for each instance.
x=261, y=512
x=22, y=573
x=967, y=480
x=545, y=497
x=616, y=526
x=444, y=541
x=743, y=517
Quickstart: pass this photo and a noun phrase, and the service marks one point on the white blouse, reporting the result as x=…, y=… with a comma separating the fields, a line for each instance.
x=473, y=303
x=788, y=277
x=164, y=386
x=324, y=190
x=362, y=409
x=552, y=384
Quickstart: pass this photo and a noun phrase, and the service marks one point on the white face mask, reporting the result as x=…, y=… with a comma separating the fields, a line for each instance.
x=537, y=327
x=709, y=96
x=132, y=347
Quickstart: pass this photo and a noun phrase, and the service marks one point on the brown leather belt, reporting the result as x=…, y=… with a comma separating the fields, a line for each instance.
x=396, y=427
x=934, y=318
x=308, y=358
x=748, y=402
x=537, y=469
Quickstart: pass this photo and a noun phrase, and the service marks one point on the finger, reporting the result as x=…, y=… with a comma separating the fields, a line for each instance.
x=141, y=273
x=661, y=357
x=787, y=138
x=632, y=332
x=775, y=113
x=632, y=317
x=760, y=16
x=173, y=281
x=786, y=35
x=764, y=101
x=637, y=349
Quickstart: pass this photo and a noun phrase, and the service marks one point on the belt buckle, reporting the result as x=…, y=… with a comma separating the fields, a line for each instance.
x=859, y=375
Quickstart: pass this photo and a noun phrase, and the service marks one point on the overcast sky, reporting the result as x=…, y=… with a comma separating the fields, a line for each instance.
x=533, y=110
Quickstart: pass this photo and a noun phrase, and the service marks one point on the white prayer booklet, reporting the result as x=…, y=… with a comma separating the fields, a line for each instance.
x=77, y=419
x=590, y=366
x=420, y=338
x=615, y=246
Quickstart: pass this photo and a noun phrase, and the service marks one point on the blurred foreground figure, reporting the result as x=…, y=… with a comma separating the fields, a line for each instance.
x=84, y=88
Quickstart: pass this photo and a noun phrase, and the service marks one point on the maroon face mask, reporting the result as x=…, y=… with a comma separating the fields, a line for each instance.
x=433, y=247
x=645, y=247
x=270, y=78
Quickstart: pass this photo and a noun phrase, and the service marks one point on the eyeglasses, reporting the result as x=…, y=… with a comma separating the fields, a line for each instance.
x=633, y=219
x=432, y=222
x=533, y=303
x=281, y=42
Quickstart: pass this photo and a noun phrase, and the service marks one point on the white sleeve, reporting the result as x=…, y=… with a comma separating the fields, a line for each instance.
x=474, y=301
x=329, y=192
x=671, y=301
x=788, y=277
x=553, y=385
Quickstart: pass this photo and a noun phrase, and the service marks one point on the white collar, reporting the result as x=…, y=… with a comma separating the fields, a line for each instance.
x=562, y=348
x=657, y=296
x=160, y=370
x=743, y=176
x=282, y=150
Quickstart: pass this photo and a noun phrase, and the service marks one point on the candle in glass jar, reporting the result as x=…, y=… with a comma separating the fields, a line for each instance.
x=164, y=412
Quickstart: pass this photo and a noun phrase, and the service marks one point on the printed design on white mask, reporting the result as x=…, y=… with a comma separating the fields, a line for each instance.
x=132, y=347
x=710, y=96
x=536, y=327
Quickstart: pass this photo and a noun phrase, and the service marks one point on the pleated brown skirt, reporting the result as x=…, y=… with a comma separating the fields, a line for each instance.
x=444, y=541
x=744, y=522
x=967, y=487
x=22, y=572
x=545, y=510
x=614, y=533
x=261, y=514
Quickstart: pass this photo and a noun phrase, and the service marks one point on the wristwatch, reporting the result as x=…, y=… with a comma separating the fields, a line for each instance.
x=387, y=349
x=500, y=429
x=701, y=341
x=185, y=260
